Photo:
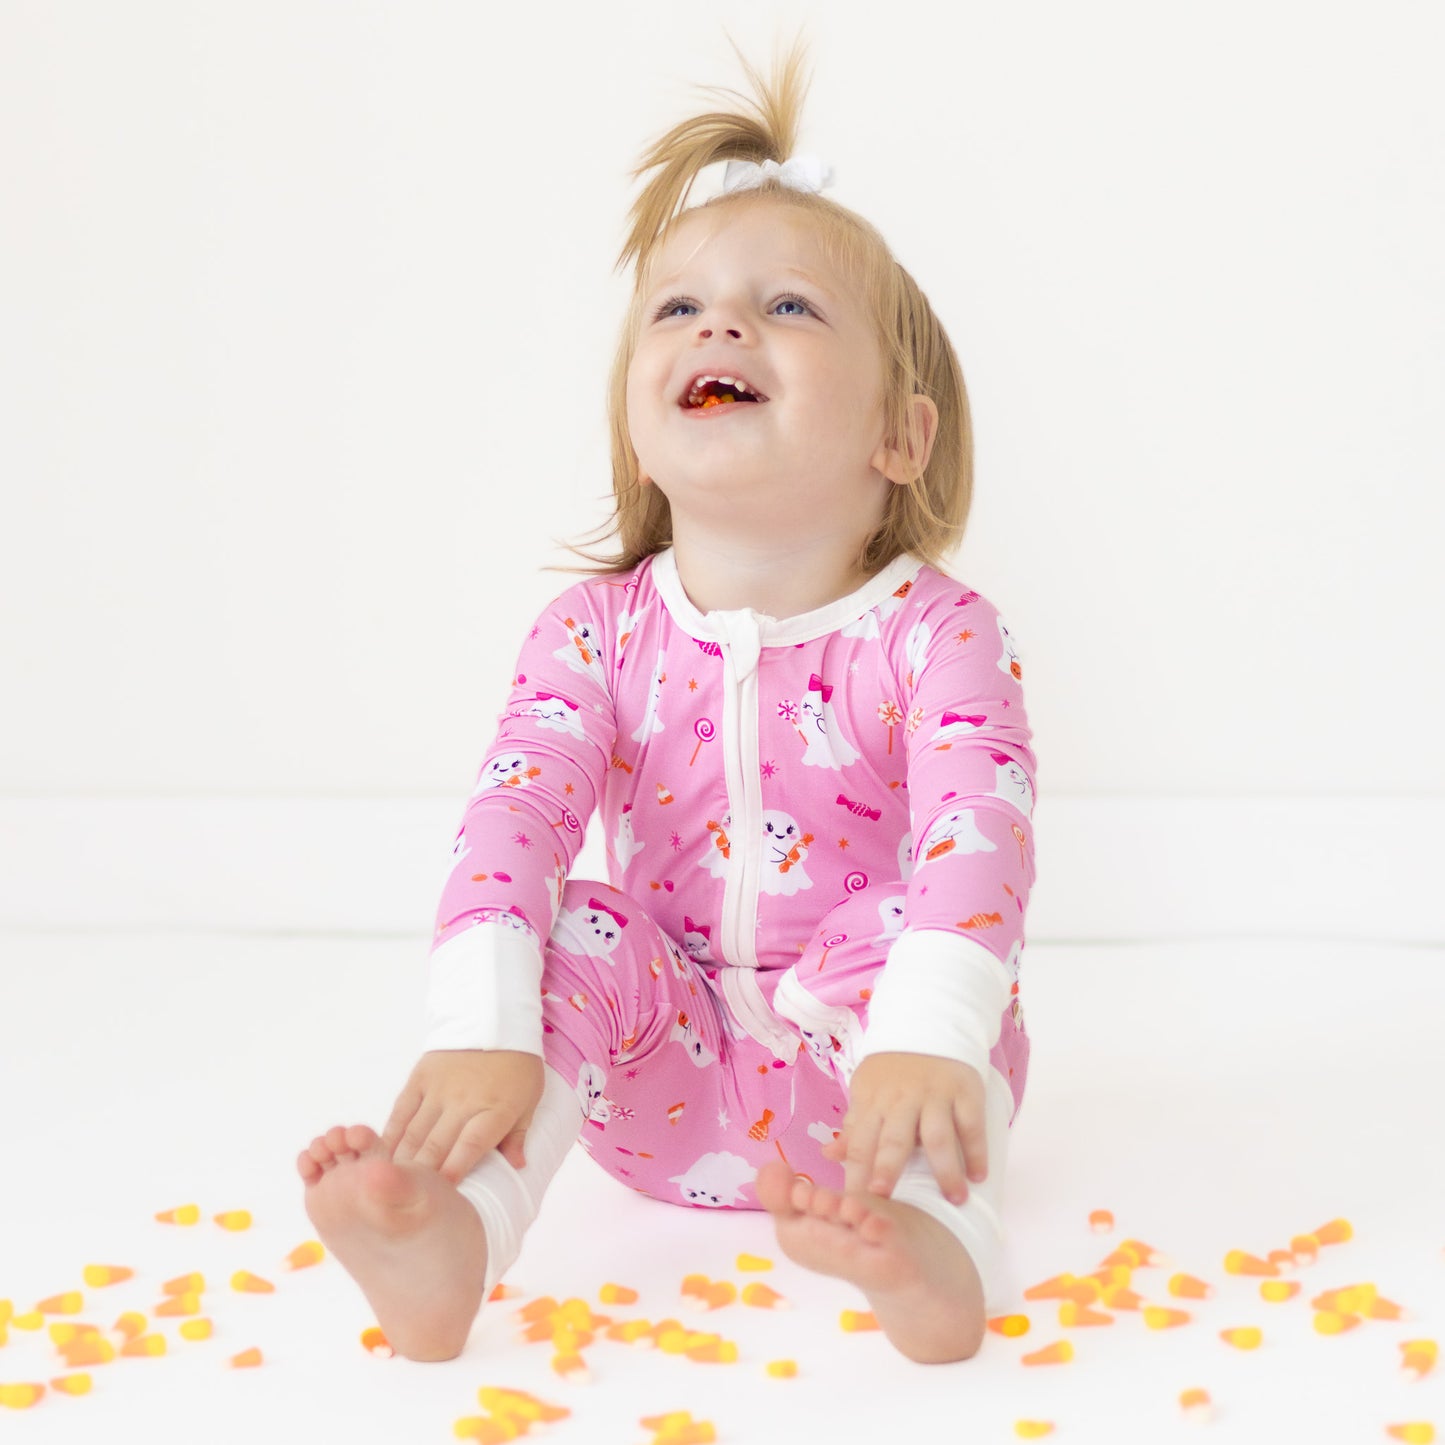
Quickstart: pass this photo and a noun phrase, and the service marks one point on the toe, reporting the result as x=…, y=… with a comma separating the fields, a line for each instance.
x=824, y=1203
x=774, y=1187
x=321, y=1152
x=308, y=1168
x=360, y=1138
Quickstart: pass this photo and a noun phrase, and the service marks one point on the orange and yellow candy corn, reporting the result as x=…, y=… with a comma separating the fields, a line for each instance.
x=97, y=1276
x=246, y=1360
x=69, y=1303
x=856, y=1320
x=1101, y=1221
x=1185, y=1286
x=1238, y=1262
x=71, y=1384
x=192, y=1283
x=1196, y=1404
x=761, y=1297
x=234, y=1219
x=1417, y=1432
x=753, y=1263
x=374, y=1342
x=305, y=1255
x=186, y=1214
x=20, y=1397
x=1247, y=1338
x=617, y=1294
x=1033, y=1429
x=1157, y=1317
x=1010, y=1326
x=1419, y=1357
x=1059, y=1353
x=244, y=1282
x=782, y=1369
x=144, y=1347
x=196, y=1329
x=1278, y=1290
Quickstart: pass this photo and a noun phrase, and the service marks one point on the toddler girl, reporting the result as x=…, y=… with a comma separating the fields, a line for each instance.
x=797, y=989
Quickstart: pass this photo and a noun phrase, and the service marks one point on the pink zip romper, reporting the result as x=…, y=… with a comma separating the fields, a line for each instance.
x=819, y=848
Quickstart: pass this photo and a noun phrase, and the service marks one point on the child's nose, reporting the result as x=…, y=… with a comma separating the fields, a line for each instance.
x=706, y=333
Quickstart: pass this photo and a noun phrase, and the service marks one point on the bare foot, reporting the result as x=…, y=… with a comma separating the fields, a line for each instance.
x=918, y=1278
x=405, y=1234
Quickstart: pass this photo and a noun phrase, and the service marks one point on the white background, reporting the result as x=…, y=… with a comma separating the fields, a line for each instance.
x=306, y=311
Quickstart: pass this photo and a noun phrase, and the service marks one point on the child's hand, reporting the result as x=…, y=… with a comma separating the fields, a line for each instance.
x=460, y=1104
x=896, y=1102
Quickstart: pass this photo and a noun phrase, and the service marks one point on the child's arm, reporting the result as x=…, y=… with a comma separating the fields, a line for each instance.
x=948, y=985
x=461, y=1104
x=897, y=1102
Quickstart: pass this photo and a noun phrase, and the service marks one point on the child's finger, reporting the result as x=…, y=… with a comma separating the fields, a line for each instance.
x=943, y=1147
x=897, y=1140
x=973, y=1131
x=470, y=1143
x=862, y=1143
x=418, y=1131
x=402, y=1113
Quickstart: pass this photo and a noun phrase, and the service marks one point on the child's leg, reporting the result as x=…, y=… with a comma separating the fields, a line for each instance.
x=426, y=1252
x=931, y=1269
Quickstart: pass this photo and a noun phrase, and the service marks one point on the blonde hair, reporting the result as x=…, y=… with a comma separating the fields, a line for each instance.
x=926, y=516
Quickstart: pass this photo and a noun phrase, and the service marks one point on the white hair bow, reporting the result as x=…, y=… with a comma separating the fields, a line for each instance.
x=802, y=173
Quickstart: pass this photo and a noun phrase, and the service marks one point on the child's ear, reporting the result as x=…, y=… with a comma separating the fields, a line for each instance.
x=901, y=465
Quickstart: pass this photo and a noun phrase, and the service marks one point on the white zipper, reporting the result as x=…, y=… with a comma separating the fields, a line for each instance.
x=744, y=784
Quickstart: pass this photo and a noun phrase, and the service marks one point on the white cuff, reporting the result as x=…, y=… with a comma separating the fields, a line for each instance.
x=938, y=993
x=485, y=991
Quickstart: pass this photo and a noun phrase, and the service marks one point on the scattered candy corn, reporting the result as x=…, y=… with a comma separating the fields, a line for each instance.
x=97, y=1276
x=69, y=1303
x=631, y=1332
x=234, y=1219
x=1247, y=1338
x=1033, y=1429
x=753, y=1262
x=192, y=1283
x=617, y=1294
x=20, y=1397
x=1337, y=1231
x=505, y=1291
x=1305, y=1247
x=1122, y=1299
x=1144, y=1254
x=571, y=1367
x=186, y=1214
x=1419, y=1358
x=1283, y=1258
x=196, y=1330
x=782, y=1369
x=519, y=1405
x=1350, y=1299
x=304, y=1255
x=1238, y=1262
x=71, y=1384
x=246, y=1360
x=714, y=1352
x=1101, y=1221
x=1381, y=1308
x=761, y=1297
x=130, y=1324
x=1157, y=1317
x=88, y=1350
x=1417, y=1432
x=538, y=1308
x=144, y=1347
x=719, y=1293
x=1331, y=1322
x=1185, y=1286
x=854, y=1320
x=374, y=1342
x=1277, y=1290
x=1055, y=1288
x=244, y=1282
x=678, y=1427
x=485, y=1429
x=1059, y=1353
x=1072, y=1313
x=62, y=1335
x=1196, y=1404
x=179, y=1304
x=1009, y=1325
x=31, y=1320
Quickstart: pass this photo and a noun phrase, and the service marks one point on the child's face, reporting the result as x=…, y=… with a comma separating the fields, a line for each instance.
x=809, y=454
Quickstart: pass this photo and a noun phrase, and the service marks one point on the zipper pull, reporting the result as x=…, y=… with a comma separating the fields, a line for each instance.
x=744, y=642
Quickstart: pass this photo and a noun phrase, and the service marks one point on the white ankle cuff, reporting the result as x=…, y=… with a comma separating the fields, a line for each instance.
x=509, y=1199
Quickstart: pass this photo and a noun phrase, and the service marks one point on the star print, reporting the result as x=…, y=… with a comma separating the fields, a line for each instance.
x=569, y=790
x=692, y=684
x=853, y=668
x=842, y=842
x=964, y=635
x=769, y=768
x=523, y=839
x=535, y=632
x=632, y=1073
x=722, y=1118
x=676, y=842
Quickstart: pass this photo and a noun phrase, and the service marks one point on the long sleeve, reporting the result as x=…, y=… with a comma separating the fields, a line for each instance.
x=521, y=830
x=952, y=973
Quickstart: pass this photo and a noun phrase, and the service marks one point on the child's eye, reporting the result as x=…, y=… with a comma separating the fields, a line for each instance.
x=673, y=302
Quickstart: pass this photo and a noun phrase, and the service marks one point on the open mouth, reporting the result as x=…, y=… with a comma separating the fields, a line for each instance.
x=709, y=391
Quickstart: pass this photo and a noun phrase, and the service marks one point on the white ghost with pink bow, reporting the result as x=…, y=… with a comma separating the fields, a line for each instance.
x=826, y=745
x=594, y=931
x=555, y=713
x=625, y=846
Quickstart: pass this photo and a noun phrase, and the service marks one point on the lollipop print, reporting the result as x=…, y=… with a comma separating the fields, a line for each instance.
x=890, y=715
x=705, y=731
x=1019, y=835
x=855, y=882
x=831, y=942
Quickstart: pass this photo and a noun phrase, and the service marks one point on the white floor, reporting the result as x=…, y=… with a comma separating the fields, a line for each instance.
x=1214, y=1096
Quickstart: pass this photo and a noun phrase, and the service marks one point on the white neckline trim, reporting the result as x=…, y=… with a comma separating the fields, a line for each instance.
x=773, y=631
